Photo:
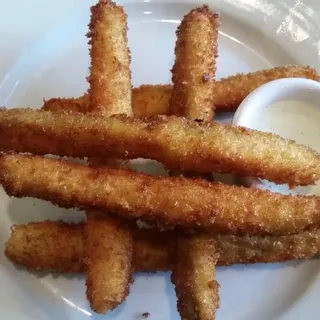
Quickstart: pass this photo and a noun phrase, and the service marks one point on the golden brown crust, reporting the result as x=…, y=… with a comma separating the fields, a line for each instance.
x=194, y=69
x=67, y=104
x=151, y=250
x=110, y=75
x=109, y=246
x=168, y=201
x=109, y=250
x=47, y=246
x=193, y=273
x=178, y=143
x=149, y=100
x=193, y=75
x=110, y=93
x=231, y=91
x=254, y=249
x=59, y=247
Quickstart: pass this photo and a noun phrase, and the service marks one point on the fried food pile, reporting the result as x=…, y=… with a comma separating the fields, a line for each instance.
x=196, y=223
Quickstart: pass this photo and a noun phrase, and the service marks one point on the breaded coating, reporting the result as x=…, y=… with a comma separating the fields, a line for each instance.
x=194, y=68
x=109, y=246
x=166, y=201
x=67, y=104
x=178, y=143
x=267, y=249
x=231, y=91
x=108, y=276
x=193, y=75
x=193, y=273
x=151, y=250
x=47, y=246
x=109, y=93
x=59, y=247
x=228, y=92
x=110, y=75
x=149, y=100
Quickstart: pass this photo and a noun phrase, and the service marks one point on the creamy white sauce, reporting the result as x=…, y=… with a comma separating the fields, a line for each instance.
x=297, y=120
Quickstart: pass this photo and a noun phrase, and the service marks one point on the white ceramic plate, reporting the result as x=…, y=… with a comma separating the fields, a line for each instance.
x=45, y=54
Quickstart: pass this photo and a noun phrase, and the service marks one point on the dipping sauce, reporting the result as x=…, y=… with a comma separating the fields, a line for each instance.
x=292, y=119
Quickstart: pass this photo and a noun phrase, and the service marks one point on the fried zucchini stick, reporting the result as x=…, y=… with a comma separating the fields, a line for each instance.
x=67, y=104
x=108, y=275
x=110, y=93
x=167, y=201
x=231, y=91
x=178, y=143
x=194, y=257
x=149, y=100
x=110, y=60
x=193, y=274
x=60, y=247
x=194, y=69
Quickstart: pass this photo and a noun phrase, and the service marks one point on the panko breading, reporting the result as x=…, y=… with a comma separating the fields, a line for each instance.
x=109, y=247
x=194, y=68
x=231, y=91
x=151, y=250
x=193, y=273
x=110, y=75
x=149, y=100
x=110, y=93
x=178, y=143
x=48, y=245
x=108, y=276
x=67, y=104
x=166, y=201
x=59, y=247
x=193, y=76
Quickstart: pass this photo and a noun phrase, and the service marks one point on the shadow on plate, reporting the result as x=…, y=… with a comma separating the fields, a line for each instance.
x=29, y=209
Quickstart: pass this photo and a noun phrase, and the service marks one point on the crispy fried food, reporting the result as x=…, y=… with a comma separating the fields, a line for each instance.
x=167, y=201
x=108, y=276
x=151, y=252
x=109, y=246
x=67, y=104
x=178, y=143
x=48, y=246
x=193, y=273
x=231, y=91
x=110, y=75
x=193, y=73
x=109, y=93
x=59, y=247
x=149, y=100
x=194, y=69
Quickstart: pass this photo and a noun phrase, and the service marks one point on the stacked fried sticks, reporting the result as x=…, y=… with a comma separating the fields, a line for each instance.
x=109, y=93
x=215, y=224
x=195, y=256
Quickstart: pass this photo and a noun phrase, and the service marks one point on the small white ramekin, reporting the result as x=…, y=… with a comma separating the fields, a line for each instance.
x=283, y=89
